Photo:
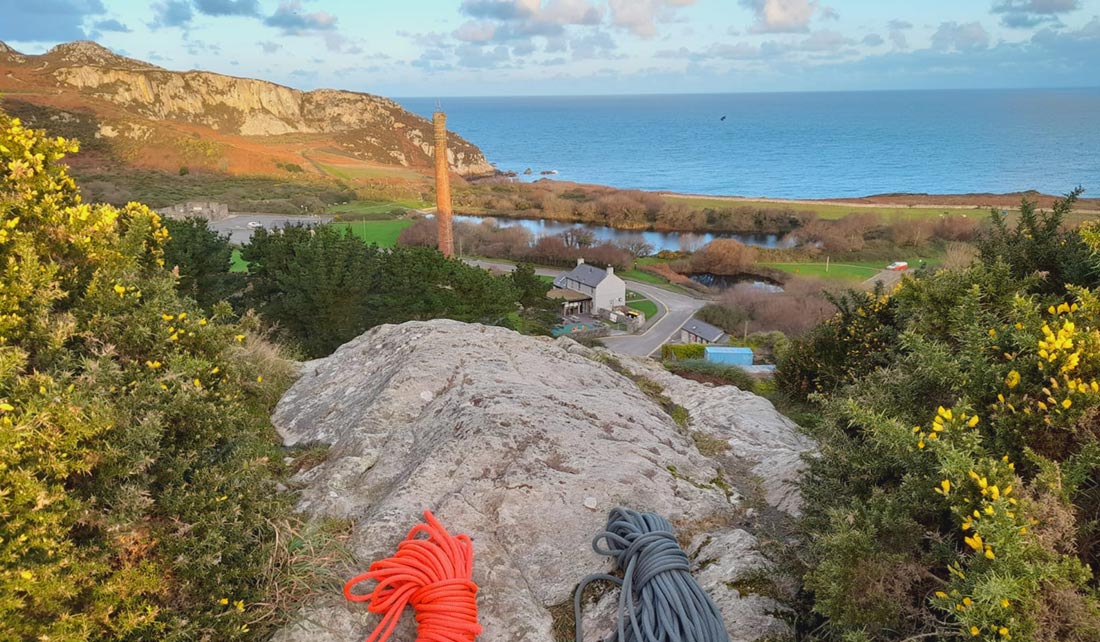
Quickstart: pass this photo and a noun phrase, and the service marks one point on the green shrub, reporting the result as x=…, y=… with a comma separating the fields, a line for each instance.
x=729, y=318
x=184, y=171
x=324, y=286
x=718, y=373
x=137, y=461
x=954, y=495
x=204, y=260
x=768, y=347
x=682, y=351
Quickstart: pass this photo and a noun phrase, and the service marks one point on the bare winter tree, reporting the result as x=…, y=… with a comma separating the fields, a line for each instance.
x=578, y=237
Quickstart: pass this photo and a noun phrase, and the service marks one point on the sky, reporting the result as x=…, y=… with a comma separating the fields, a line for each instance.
x=408, y=48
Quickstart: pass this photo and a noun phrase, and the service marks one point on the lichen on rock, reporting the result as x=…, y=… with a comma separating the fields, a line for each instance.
x=525, y=444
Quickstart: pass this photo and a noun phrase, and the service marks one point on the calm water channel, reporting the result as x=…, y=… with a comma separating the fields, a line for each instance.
x=673, y=241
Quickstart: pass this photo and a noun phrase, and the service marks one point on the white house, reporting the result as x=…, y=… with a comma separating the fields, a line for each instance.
x=589, y=290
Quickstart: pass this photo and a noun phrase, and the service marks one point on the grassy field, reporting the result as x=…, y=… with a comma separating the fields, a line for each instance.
x=239, y=264
x=241, y=193
x=849, y=271
x=641, y=304
x=831, y=211
x=384, y=233
x=644, y=277
x=836, y=272
x=368, y=208
x=353, y=172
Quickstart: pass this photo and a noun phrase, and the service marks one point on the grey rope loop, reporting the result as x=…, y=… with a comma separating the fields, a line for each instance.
x=659, y=598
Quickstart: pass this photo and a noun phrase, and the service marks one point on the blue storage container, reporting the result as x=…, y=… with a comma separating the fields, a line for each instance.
x=729, y=356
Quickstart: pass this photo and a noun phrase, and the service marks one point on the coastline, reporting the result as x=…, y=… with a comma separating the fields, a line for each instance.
x=960, y=201
x=946, y=201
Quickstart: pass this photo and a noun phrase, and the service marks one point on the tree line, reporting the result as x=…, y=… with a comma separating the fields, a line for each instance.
x=319, y=287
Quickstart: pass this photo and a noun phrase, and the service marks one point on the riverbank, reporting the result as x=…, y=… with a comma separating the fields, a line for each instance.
x=570, y=203
x=905, y=206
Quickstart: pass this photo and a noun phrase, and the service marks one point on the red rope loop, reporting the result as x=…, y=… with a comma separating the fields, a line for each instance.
x=434, y=575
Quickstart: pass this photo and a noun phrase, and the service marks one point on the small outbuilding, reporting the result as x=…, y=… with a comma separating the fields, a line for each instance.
x=729, y=356
x=696, y=331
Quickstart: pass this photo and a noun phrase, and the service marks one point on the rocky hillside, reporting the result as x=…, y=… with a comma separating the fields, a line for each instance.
x=526, y=444
x=151, y=117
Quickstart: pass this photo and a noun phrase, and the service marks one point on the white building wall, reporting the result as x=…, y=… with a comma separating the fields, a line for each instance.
x=609, y=294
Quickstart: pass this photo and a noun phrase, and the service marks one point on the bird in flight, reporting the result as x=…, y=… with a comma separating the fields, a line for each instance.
x=722, y=118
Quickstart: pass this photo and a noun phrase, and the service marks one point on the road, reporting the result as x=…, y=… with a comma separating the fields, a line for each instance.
x=674, y=310
x=888, y=278
x=239, y=231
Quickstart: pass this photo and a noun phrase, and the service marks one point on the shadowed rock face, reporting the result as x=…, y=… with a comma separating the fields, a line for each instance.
x=525, y=444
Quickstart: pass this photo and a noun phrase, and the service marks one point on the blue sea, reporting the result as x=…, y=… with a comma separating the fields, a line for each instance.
x=795, y=145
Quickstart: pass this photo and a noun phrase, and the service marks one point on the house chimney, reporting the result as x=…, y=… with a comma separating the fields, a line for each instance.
x=443, y=187
x=610, y=271
x=580, y=261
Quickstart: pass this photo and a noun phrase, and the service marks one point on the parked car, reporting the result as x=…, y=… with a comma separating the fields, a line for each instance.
x=255, y=224
x=898, y=266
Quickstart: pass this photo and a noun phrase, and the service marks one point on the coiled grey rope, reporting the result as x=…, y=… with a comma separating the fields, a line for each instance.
x=659, y=598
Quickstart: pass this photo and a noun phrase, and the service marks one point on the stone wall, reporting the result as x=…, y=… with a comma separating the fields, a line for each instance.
x=196, y=209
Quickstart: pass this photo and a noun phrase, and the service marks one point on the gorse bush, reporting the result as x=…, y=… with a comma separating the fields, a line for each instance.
x=137, y=464
x=858, y=339
x=954, y=496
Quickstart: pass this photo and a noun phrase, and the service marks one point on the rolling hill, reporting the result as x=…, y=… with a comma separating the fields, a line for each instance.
x=134, y=116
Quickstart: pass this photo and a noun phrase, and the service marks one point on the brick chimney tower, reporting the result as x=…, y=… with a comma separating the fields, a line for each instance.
x=443, y=186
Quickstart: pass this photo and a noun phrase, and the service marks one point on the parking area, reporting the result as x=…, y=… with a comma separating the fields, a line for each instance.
x=239, y=227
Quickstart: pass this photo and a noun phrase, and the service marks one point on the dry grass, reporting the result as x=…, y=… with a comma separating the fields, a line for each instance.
x=308, y=558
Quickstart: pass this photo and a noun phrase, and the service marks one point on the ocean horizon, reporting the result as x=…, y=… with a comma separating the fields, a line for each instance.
x=793, y=144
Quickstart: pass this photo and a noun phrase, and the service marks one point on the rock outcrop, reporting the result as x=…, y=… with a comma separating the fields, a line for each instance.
x=525, y=444
x=363, y=126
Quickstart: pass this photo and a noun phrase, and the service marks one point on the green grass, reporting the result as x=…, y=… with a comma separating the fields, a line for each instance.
x=837, y=271
x=830, y=211
x=853, y=271
x=377, y=207
x=239, y=264
x=644, y=277
x=383, y=233
x=351, y=173
x=241, y=193
x=645, y=306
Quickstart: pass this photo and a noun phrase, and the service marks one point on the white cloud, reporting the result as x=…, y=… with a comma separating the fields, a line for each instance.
x=785, y=16
x=640, y=17
x=476, y=31
x=960, y=37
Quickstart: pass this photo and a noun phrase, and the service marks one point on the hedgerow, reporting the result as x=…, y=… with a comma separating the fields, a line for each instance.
x=137, y=463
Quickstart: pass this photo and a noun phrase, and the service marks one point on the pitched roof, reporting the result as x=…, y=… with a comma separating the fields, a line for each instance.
x=567, y=295
x=584, y=273
x=704, y=331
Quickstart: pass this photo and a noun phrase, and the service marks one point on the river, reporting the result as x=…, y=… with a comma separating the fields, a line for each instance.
x=672, y=241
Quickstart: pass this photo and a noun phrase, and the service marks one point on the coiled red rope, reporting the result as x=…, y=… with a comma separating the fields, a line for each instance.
x=435, y=576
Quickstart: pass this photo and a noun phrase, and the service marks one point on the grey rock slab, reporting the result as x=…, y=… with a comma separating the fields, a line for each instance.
x=522, y=443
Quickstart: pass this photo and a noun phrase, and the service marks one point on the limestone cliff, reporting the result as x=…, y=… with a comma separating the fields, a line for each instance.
x=525, y=444
x=124, y=92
